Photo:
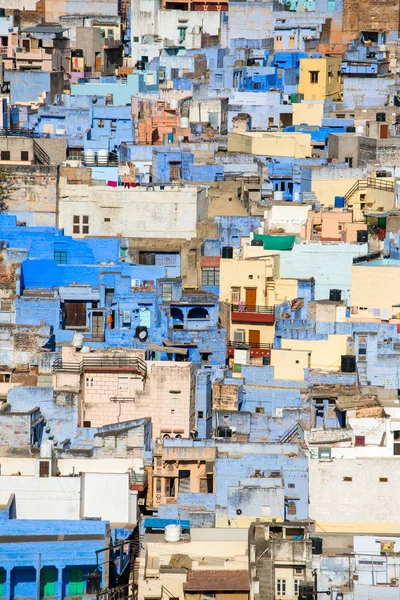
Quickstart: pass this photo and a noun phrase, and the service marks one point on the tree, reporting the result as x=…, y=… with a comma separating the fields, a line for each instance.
x=5, y=190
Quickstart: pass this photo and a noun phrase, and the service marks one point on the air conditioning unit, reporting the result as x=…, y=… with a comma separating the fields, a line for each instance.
x=239, y=336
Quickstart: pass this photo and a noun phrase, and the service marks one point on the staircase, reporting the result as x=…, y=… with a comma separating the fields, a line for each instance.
x=289, y=434
x=375, y=183
x=362, y=374
x=41, y=157
x=45, y=381
x=310, y=197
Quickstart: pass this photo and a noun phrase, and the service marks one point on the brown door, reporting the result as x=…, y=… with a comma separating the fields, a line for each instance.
x=75, y=314
x=254, y=338
x=251, y=298
x=97, y=324
x=384, y=131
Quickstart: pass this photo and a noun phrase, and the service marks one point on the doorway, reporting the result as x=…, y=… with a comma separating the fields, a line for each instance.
x=251, y=298
x=254, y=338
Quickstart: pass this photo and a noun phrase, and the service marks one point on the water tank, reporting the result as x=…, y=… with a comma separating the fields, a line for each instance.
x=150, y=259
x=316, y=545
x=348, y=363
x=381, y=117
x=257, y=243
x=46, y=449
x=102, y=157
x=172, y=533
x=278, y=195
x=339, y=201
x=335, y=295
x=77, y=340
x=89, y=157
x=184, y=122
x=362, y=236
x=227, y=252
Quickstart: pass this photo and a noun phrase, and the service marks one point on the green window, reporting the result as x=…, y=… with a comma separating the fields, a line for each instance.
x=2, y=581
x=48, y=580
x=76, y=581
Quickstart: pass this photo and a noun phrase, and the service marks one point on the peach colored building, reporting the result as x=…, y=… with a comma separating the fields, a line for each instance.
x=331, y=226
x=154, y=120
x=117, y=386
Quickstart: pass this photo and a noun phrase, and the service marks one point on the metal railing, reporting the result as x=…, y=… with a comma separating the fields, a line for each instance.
x=376, y=183
x=245, y=345
x=252, y=308
x=93, y=363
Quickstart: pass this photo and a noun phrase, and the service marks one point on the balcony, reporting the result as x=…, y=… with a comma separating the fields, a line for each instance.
x=256, y=348
x=246, y=313
x=95, y=364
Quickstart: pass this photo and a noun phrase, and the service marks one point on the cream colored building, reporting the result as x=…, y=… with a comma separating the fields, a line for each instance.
x=101, y=210
x=320, y=78
x=375, y=289
x=263, y=143
x=309, y=112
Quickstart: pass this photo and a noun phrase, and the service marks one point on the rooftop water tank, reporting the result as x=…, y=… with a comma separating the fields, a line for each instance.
x=102, y=157
x=172, y=533
x=89, y=157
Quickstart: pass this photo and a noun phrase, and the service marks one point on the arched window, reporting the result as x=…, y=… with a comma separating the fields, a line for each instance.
x=177, y=318
x=198, y=313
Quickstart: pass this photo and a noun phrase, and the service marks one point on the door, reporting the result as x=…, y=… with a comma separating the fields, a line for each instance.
x=75, y=314
x=251, y=298
x=48, y=579
x=254, y=338
x=97, y=325
x=76, y=581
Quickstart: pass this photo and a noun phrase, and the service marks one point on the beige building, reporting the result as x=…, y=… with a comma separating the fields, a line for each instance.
x=375, y=290
x=187, y=469
x=252, y=287
x=309, y=112
x=320, y=78
x=263, y=143
x=120, y=386
x=100, y=210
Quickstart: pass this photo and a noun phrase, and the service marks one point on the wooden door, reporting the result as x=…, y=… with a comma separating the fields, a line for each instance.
x=97, y=324
x=254, y=338
x=75, y=314
x=251, y=298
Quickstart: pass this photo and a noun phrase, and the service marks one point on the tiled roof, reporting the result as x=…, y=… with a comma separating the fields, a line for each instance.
x=217, y=581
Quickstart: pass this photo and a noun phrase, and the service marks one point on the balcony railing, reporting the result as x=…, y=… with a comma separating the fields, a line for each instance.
x=102, y=363
x=245, y=345
x=252, y=313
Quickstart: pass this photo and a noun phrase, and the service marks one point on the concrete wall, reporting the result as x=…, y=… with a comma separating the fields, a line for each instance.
x=376, y=286
x=364, y=504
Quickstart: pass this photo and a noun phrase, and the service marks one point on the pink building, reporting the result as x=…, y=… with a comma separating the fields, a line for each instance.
x=335, y=225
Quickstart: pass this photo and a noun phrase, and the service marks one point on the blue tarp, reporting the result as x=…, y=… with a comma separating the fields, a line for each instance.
x=155, y=523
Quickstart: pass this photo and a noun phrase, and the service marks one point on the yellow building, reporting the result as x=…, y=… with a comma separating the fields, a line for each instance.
x=308, y=112
x=320, y=78
x=265, y=143
x=252, y=287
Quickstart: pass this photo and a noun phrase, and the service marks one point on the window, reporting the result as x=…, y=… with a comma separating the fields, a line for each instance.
x=135, y=39
x=360, y=440
x=210, y=276
x=89, y=382
x=291, y=508
x=113, y=124
x=296, y=586
x=60, y=256
x=281, y=587
x=5, y=155
x=383, y=479
x=107, y=219
x=182, y=33
x=167, y=292
x=235, y=295
x=349, y=161
x=347, y=479
x=24, y=155
x=314, y=76
x=174, y=171
x=278, y=38
x=260, y=410
x=291, y=486
x=200, y=414
x=100, y=123
x=87, y=423
x=170, y=487
x=44, y=468
x=74, y=314
x=80, y=224
x=239, y=336
x=174, y=73
x=158, y=485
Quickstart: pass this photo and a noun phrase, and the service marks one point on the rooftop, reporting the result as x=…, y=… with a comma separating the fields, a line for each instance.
x=217, y=581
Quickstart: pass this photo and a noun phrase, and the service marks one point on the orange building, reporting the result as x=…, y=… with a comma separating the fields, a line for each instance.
x=156, y=123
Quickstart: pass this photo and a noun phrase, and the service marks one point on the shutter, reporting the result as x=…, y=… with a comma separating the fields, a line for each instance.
x=44, y=468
